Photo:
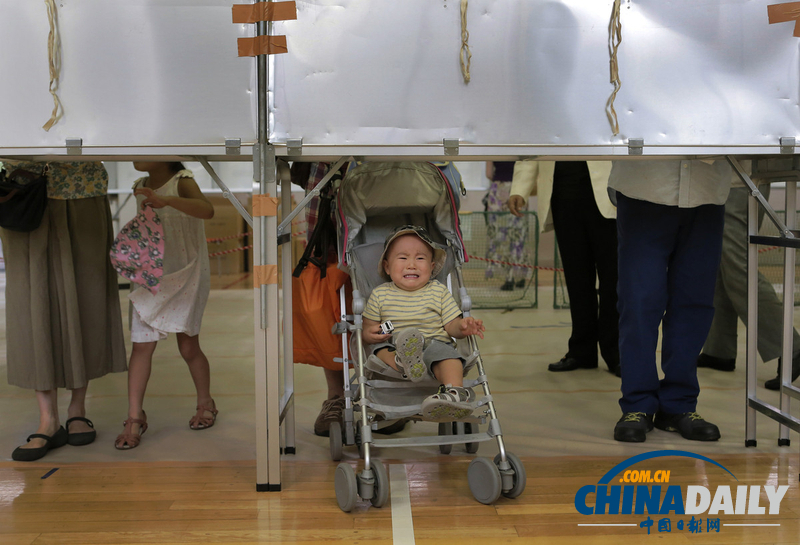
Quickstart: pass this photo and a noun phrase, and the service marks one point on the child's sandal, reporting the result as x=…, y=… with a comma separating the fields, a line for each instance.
x=127, y=439
x=202, y=422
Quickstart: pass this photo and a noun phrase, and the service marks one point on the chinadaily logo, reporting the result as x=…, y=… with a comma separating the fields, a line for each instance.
x=635, y=488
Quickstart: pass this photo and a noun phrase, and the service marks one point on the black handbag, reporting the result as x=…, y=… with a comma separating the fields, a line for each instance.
x=24, y=199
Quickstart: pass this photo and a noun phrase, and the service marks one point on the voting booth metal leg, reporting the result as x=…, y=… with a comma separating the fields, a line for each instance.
x=788, y=310
x=265, y=298
x=789, y=241
x=287, y=401
x=751, y=361
x=267, y=336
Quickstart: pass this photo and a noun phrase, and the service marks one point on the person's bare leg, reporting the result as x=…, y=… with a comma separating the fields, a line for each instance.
x=201, y=376
x=449, y=372
x=48, y=417
x=77, y=407
x=139, y=367
x=198, y=367
x=387, y=357
x=335, y=381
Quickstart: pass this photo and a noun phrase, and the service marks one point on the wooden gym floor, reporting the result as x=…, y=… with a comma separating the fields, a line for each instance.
x=183, y=486
x=214, y=502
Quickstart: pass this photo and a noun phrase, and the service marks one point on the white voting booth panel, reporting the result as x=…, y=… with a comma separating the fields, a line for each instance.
x=380, y=79
x=141, y=76
x=368, y=77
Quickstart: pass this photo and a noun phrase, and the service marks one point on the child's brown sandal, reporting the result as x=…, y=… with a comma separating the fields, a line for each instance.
x=127, y=439
x=202, y=422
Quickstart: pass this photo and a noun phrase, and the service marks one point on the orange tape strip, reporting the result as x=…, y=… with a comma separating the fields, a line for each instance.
x=265, y=274
x=264, y=11
x=264, y=205
x=782, y=13
x=262, y=45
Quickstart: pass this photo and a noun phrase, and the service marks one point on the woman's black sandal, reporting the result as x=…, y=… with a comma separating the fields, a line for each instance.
x=58, y=439
x=83, y=438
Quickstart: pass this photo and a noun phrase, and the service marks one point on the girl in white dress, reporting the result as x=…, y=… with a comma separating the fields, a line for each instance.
x=178, y=304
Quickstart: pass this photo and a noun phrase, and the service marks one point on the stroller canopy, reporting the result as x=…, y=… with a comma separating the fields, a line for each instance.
x=374, y=198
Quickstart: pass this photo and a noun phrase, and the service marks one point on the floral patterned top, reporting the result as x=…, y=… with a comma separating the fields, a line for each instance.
x=67, y=180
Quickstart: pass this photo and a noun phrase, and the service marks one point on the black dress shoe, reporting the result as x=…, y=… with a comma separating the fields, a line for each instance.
x=508, y=286
x=569, y=364
x=775, y=383
x=633, y=427
x=615, y=370
x=690, y=425
x=83, y=438
x=58, y=439
x=704, y=360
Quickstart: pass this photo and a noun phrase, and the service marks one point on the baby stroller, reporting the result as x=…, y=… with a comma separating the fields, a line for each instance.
x=372, y=200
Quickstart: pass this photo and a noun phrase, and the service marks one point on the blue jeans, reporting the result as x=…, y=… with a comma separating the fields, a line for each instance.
x=668, y=261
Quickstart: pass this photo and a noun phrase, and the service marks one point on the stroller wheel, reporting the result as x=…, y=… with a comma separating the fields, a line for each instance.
x=335, y=436
x=484, y=480
x=380, y=494
x=520, y=478
x=346, y=487
x=445, y=428
x=470, y=428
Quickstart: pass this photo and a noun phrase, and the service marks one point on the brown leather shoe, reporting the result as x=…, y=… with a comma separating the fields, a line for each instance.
x=332, y=410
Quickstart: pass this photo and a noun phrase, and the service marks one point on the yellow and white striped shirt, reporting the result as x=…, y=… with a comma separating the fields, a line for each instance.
x=427, y=309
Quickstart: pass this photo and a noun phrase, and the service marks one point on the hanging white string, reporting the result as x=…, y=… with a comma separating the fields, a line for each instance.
x=614, y=39
x=54, y=56
x=465, y=55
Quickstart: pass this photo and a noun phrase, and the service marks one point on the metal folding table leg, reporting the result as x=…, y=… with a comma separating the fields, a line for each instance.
x=788, y=310
x=287, y=401
x=752, y=323
x=789, y=239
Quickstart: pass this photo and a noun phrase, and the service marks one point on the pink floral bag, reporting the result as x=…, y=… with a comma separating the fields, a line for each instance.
x=138, y=251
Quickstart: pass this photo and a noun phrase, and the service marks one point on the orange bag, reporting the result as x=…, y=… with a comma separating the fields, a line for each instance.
x=315, y=309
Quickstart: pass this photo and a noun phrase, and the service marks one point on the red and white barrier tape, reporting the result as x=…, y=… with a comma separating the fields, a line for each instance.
x=230, y=237
x=234, y=250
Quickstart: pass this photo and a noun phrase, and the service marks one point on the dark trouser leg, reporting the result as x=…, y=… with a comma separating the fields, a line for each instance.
x=646, y=234
x=690, y=309
x=569, y=220
x=604, y=250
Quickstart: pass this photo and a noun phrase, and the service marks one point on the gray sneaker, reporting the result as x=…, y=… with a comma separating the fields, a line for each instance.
x=449, y=404
x=409, y=344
